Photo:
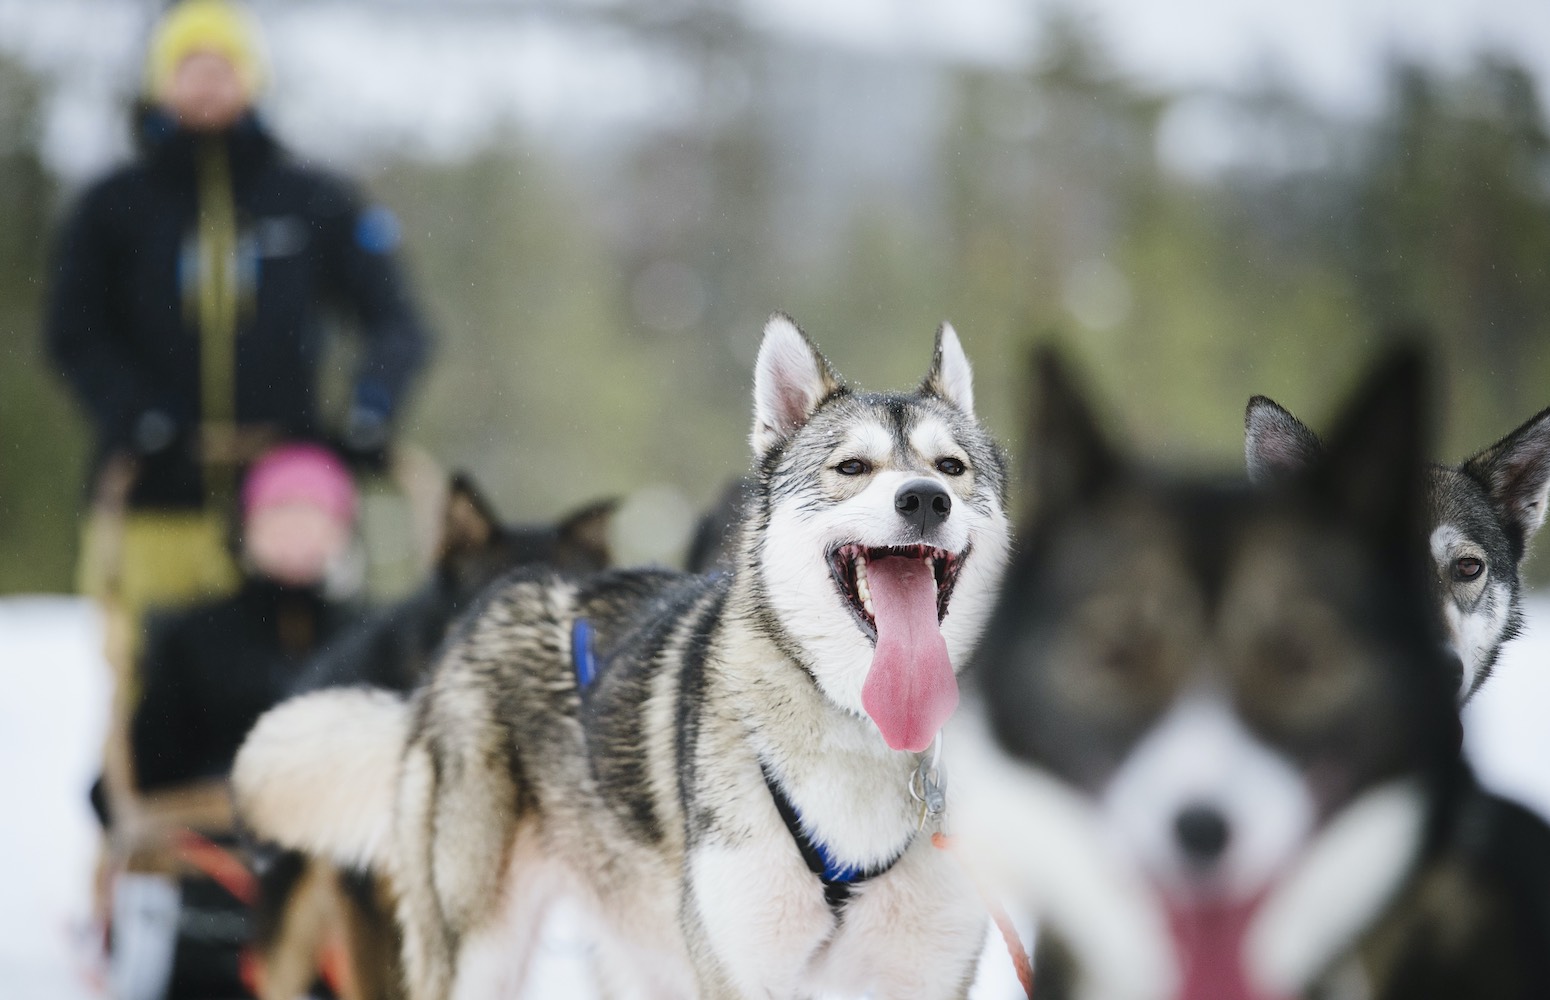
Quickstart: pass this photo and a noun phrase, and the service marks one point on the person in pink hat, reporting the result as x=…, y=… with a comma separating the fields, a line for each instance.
x=209, y=672
x=298, y=509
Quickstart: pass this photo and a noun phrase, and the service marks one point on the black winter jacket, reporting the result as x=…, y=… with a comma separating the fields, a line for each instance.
x=211, y=670
x=123, y=324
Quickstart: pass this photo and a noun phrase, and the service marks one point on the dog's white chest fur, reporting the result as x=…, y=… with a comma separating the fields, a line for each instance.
x=912, y=931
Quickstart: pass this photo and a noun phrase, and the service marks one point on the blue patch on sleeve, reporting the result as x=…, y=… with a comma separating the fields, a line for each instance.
x=581, y=653
x=377, y=230
x=372, y=396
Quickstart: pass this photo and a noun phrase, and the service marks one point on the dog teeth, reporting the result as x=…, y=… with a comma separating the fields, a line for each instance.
x=863, y=591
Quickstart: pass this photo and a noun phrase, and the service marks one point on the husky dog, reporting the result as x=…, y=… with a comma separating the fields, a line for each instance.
x=1481, y=516
x=300, y=895
x=720, y=767
x=1217, y=752
x=394, y=649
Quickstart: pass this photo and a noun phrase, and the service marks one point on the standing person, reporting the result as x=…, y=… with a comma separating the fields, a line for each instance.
x=210, y=671
x=187, y=314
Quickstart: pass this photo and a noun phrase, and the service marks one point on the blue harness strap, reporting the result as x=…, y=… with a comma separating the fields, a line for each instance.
x=581, y=655
x=837, y=878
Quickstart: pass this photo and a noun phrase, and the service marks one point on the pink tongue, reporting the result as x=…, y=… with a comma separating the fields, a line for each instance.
x=910, y=690
x=1209, y=940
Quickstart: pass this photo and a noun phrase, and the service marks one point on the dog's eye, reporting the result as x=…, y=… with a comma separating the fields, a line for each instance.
x=950, y=466
x=1467, y=568
x=852, y=467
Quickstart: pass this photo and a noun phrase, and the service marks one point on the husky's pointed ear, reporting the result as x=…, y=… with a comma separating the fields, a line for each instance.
x=1374, y=463
x=1066, y=457
x=1275, y=443
x=1516, y=472
x=583, y=536
x=950, y=378
x=468, y=522
x=790, y=379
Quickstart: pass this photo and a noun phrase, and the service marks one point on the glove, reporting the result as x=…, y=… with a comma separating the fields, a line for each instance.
x=153, y=432
x=365, y=441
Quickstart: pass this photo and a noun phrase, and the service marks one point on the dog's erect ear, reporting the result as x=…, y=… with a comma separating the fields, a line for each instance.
x=1516, y=471
x=950, y=377
x=1374, y=461
x=1275, y=443
x=790, y=379
x=468, y=522
x=583, y=536
x=1066, y=458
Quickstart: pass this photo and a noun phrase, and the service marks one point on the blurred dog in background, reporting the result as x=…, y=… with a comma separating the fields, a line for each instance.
x=1217, y=750
x=302, y=896
x=394, y=649
x=1481, y=516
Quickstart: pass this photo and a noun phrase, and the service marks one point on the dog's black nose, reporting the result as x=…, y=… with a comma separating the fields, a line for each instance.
x=923, y=503
x=1202, y=832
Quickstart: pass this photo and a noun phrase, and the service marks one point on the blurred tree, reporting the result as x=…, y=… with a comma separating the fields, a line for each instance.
x=42, y=441
x=545, y=385
x=695, y=231
x=1452, y=230
x=599, y=305
x=1181, y=296
x=1044, y=172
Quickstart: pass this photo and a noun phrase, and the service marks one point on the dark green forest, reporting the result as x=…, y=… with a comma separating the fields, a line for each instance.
x=597, y=314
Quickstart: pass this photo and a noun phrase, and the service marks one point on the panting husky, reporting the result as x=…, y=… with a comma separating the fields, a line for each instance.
x=1482, y=515
x=727, y=769
x=1217, y=750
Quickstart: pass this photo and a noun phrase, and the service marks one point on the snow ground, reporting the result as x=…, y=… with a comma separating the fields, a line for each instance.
x=51, y=720
x=55, y=704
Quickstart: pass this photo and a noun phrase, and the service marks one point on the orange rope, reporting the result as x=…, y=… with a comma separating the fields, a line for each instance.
x=218, y=863
x=250, y=969
x=227, y=870
x=1021, y=963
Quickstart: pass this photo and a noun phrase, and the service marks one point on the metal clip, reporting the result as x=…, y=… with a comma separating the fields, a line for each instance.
x=926, y=784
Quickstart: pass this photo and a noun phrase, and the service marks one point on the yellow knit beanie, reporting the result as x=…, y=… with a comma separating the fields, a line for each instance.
x=205, y=26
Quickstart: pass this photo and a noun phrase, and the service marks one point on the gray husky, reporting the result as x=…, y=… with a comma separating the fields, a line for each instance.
x=1481, y=516
x=725, y=769
x=1217, y=749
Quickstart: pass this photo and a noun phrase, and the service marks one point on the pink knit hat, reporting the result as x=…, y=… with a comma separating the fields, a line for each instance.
x=300, y=473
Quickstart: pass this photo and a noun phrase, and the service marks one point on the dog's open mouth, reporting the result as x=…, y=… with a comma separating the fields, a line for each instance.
x=899, y=596
x=1209, y=940
x=850, y=566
